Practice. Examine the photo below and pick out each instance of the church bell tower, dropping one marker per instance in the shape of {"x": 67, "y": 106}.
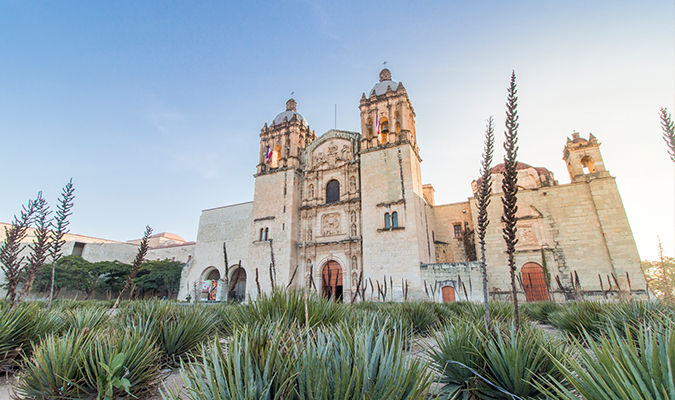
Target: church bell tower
{"x": 275, "y": 217}
{"x": 396, "y": 235}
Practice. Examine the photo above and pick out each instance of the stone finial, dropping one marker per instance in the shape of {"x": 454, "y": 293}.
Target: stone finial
{"x": 385, "y": 75}
{"x": 575, "y": 135}
{"x": 291, "y": 105}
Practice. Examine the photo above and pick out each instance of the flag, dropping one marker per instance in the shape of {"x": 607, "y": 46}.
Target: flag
{"x": 377, "y": 122}
{"x": 268, "y": 155}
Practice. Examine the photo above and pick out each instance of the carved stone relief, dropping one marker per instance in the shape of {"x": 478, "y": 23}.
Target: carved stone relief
{"x": 352, "y": 184}
{"x": 330, "y": 224}
{"x": 527, "y": 236}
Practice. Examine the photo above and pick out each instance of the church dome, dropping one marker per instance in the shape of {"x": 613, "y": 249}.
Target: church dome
{"x": 291, "y": 111}
{"x": 385, "y": 82}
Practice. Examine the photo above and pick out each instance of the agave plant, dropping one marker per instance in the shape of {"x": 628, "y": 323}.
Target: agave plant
{"x": 255, "y": 364}
{"x": 517, "y": 360}
{"x": 289, "y": 307}
{"x": 539, "y": 310}
{"x": 21, "y": 327}
{"x": 184, "y": 330}
{"x": 633, "y": 314}
{"x": 576, "y": 318}
{"x": 176, "y": 329}
{"x": 618, "y": 367}
{"x": 135, "y": 356}
{"x": 85, "y": 318}
{"x": 363, "y": 364}
{"x": 53, "y": 371}
{"x": 456, "y": 357}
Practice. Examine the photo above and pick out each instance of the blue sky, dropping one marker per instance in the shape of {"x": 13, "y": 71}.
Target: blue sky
{"x": 154, "y": 108}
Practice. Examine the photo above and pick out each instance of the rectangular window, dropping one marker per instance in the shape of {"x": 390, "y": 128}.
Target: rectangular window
{"x": 457, "y": 230}
{"x": 78, "y": 249}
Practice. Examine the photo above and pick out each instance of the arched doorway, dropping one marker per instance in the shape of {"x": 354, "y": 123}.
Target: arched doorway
{"x": 237, "y": 285}
{"x": 534, "y": 282}
{"x": 331, "y": 281}
{"x": 210, "y": 284}
{"x": 448, "y": 294}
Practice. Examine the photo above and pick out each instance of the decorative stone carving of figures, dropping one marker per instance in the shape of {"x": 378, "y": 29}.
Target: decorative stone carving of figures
{"x": 309, "y": 234}
{"x": 346, "y": 153}
{"x": 355, "y": 273}
{"x": 310, "y": 191}
{"x": 308, "y": 273}
{"x": 353, "y": 229}
{"x": 352, "y": 184}
{"x": 353, "y": 217}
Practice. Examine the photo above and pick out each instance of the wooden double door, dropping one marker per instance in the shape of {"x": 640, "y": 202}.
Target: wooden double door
{"x": 331, "y": 281}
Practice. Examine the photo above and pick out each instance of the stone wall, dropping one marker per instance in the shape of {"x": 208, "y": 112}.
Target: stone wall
{"x": 464, "y": 277}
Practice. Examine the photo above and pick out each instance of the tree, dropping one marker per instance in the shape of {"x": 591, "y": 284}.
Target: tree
{"x": 63, "y": 211}
{"x": 39, "y": 249}
{"x": 510, "y": 188}
{"x": 10, "y": 250}
{"x": 483, "y": 201}
{"x": 668, "y": 132}
{"x": 113, "y": 276}
{"x": 140, "y": 256}
{"x": 661, "y": 276}
{"x": 160, "y": 276}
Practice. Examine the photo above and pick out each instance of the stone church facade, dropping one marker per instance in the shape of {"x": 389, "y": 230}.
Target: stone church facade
{"x": 348, "y": 209}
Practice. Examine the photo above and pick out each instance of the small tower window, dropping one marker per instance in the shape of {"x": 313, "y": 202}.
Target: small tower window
{"x": 262, "y": 234}
{"x": 267, "y": 232}
{"x": 394, "y": 219}
{"x": 78, "y": 249}
{"x": 332, "y": 192}
{"x": 588, "y": 165}
{"x": 457, "y": 230}
{"x": 387, "y": 221}
{"x": 398, "y": 127}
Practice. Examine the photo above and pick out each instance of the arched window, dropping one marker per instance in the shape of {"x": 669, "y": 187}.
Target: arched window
{"x": 398, "y": 127}
{"x": 394, "y": 219}
{"x": 262, "y": 234}
{"x": 588, "y": 165}
{"x": 276, "y": 154}
{"x": 267, "y": 232}
{"x": 332, "y": 192}
{"x": 384, "y": 125}
{"x": 387, "y": 221}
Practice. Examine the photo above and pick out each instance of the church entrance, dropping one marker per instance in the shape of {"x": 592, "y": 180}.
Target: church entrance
{"x": 331, "y": 281}
{"x": 534, "y": 282}
{"x": 237, "y": 285}
{"x": 210, "y": 285}
{"x": 448, "y": 294}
